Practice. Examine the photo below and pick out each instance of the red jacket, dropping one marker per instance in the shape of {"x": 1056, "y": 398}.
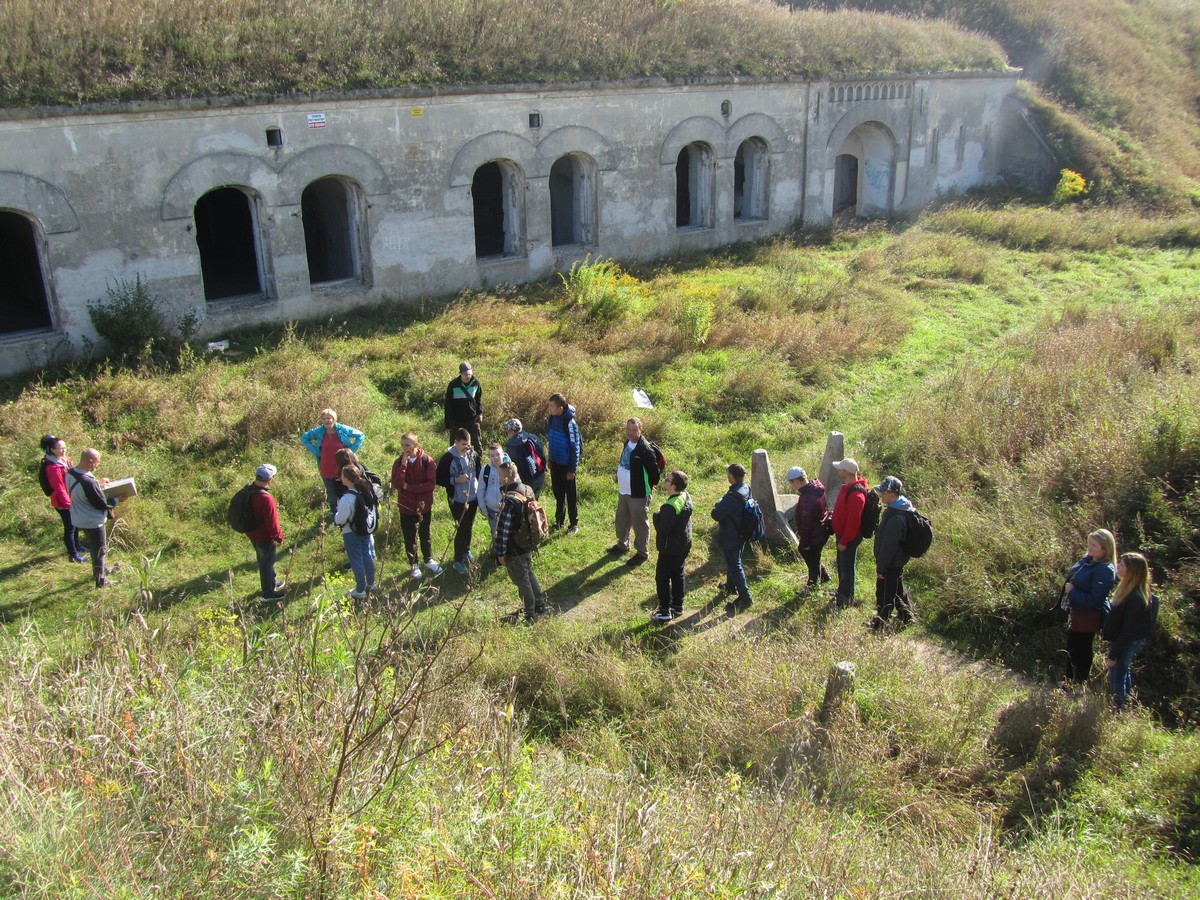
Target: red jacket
{"x": 267, "y": 514}
{"x": 848, "y": 510}
{"x": 419, "y": 480}
{"x": 56, "y": 474}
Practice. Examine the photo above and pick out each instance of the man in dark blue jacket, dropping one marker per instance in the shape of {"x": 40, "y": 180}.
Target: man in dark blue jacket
{"x": 526, "y": 451}
{"x": 728, "y": 515}
{"x": 565, "y": 446}
{"x": 637, "y": 474}
{"x": 464, "y": 406}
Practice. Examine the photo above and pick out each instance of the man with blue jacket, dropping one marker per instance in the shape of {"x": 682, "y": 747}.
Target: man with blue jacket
{"x": 565, "y": 446}
{"x": 890, "y": 593}
{"x": 728, "y": 515}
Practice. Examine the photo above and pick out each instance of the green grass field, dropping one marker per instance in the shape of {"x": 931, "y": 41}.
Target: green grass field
{"x": 167, "y": 736}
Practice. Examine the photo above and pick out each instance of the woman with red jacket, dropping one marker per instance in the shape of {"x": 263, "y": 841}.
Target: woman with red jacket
{"x": 53, "y": 476}
{"x": 847, "y": 525}
{"x": 414, "y": 476}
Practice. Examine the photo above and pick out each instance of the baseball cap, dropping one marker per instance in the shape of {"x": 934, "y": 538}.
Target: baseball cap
{"x": 512, "y": 425}
{"x": 265, "y": 472}
{"x": 464, "y": 368}
{"x": 847, "y": 465}
{"x": 892, "y": 484}
{"x": 795, "y": 472}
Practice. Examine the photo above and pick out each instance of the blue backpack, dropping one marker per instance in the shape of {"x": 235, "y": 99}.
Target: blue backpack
{"x": 752, "y": 526}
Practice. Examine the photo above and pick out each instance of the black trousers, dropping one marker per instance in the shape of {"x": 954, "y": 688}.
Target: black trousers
{"x": 812, "y": 559}
{"x": 464, "y": 518}
{"x": 1079, "y": 655}
{"x": 410, "y": 524}
{"x": 566, "y": 497}
{"x": 669, "y": 580}
{"x": 891, "y": 595}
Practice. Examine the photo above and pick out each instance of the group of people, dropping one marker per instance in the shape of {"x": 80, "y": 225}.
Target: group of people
{"x": 507, "y": 486}
{"x": 1126, "y": 619}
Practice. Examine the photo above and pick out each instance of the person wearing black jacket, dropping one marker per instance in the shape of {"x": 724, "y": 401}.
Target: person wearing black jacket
{"x": 637, "y": 474}
{"x": 1129, "y": 624}
{"x": 673, "y": 541}
{"x": 464, "y": 406}
{"x": 728, "y": 516}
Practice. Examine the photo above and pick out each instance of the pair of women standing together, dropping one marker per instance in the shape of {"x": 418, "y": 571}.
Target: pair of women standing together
{"x": 1126, "y": 621}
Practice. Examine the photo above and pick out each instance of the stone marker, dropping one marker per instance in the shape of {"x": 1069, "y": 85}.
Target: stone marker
{"x": 774, "y": 504}
{"x": 838, "y": 687}
{"x": 835, "y": 450}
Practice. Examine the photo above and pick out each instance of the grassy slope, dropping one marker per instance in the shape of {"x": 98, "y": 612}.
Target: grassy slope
{"x": 703, "y": 719}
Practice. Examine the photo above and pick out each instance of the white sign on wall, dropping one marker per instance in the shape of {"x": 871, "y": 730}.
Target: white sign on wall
{"x": 316, "y": 120}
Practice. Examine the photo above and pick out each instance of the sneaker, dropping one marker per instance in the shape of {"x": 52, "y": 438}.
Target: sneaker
{"x": 432, "y": 567}
{"x": 279, "y": 586}
{"x": 470, "y": 557}
{"x": 274, "y": 597}
{"x": 356, "y": 595}
{"x": 375, "y": 587}
{"x": 662, "y": 615}
{"x": 618, "y": 549}
{"x": 636, "y": 560}
{"x": 459, "y": 566}
{"x": 416, "y": 572}
{"x": 78, "y": 559}
{"x": 574, "y": 529}
{"x": 676, "y": 612}
{"x": 557, "y": 526}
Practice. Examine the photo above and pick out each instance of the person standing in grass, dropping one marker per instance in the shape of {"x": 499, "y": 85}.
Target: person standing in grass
{"x": 847, "y": 526}
{"x": 673, "y": 541}
{"x": 1130, "y": 623}
{"x": 266, "y": 535}
{"x": 461, "y": 465}
{"x": 890, "y": 559}
{"x": 360, "y": 548}
{"x": 728, "y": 516}
{"x": 1088, "y": 586}
{"x": 808, "y": 518}
{"x": 491, "y": 495}
{"x": 517, "y": 562}
{"x": 565, "y": 448}
{"x": 464, "y": 406}
{"x": 414, "y": 477}
{"x": 637, "y": 475}
{"x": 90, "y": 509}
{"x": 53, "y": 477}
{"x": 323, "y": 442}
{"x": 527, "y": 453}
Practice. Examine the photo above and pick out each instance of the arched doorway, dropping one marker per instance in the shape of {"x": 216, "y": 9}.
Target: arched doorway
{"x": 864, "y": 171}
{"x": 25, "y": 306}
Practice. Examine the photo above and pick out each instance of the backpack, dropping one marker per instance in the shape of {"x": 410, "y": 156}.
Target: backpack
{"x": 870, "y": 513}
{"x": 659, "y": 459}
{"x": 533, "y": 527}
{"x": 44, "y": 479}
{"x": 240, "y": 516}
{"x": 442, "y": 474}
{"x": 917, "y": 536}
{"x": 377, "y": 485}
{"x": 751, "y": 525}
{"x": 538, "y": 463}
{"x": 366, "y": 513}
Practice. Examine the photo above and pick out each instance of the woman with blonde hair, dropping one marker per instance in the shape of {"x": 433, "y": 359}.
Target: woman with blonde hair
{"x": 323, "y": 442}
{"x": 1130, "y": 623}
{"x": 1088, "y": 586}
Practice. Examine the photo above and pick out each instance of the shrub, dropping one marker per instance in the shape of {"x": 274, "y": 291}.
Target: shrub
{"x": 135, "y": 326}
{"x": 600, "y": 294}
{"x": 1071, "y": 186}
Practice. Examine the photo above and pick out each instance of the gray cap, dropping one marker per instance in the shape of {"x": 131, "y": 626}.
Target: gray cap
{"x": 265, "y": 472}
{"x": 464, "y": 368}
{"x": 847, "y": 465}
{"x": 512, "y": 425}
{"x": 892, "y": 485}
{"x": 796, "y": 473}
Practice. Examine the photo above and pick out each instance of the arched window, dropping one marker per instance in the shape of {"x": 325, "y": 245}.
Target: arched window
{"x": 694, "y": 186}
{"x": 572, "y": 201}
{"x": 750, "y": 180}
{"x": 230, "y": 249}
{"x": 496, "y": 192}
{"x": 25, "y": 305}
{"x": 332, "y": 231}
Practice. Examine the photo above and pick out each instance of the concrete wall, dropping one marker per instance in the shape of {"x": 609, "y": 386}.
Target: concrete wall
{"x": 113, "y": 194}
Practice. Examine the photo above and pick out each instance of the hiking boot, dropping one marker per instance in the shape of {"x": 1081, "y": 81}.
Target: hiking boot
{"x": 618, "y": 549}
{"x": 274, "y": 597}
{"x": 636, "y": 560}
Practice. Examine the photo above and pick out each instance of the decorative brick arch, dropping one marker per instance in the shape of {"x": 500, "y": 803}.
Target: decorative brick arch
{"x": 40, "y": 199}
{"x": 488, "y": 147}
{"x": 340, "y": 160}
{"x": 205, "y": 174}
{"x": 696, "y": 130}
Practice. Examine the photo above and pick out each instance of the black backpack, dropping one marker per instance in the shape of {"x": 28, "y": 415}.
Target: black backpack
{"x": 241, "y": 515}
{"x": 918, "y": 536}
{"x": 44, "y": 479}
{"x": 366, "y": 513}
{"x": 751, "y": 525}
{"x": 870, "y": 514}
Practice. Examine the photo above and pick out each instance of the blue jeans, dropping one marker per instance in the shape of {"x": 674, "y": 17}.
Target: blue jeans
{"x": 333, "y": 493}
{"x": 264, "y": 551}
{"x": 361, "y": 552}
{"x": 1120, "y": 676}
{"x": 846, "y": 560}
{"x": 736, "y": 571}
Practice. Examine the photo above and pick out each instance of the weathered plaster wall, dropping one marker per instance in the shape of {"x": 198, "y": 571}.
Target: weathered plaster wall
{"x": 113, "y": 194}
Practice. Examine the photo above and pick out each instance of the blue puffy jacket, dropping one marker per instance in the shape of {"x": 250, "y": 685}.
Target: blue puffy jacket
{"x": 564, "y": 442}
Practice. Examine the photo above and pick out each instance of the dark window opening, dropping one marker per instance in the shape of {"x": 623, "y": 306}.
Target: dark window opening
{"x": 739, "y": 183}
{"x": 487, "y": 197}
{"x": 326, "y": 207}
{"x": 845, "y": 182}
{"x": 274, "y": 137}
{"x": 24, "y": 305}
{"x": 228, "y": 248}
{"x": 683, "y": 193}
{"x": 535, "y": 120}
{"x": 565, "y": 225}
